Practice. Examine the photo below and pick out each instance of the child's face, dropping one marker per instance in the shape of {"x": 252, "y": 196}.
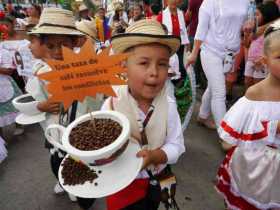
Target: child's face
{"x": 54, "y": 45}
{"x": 38, "y": 49}
{"x": 259, "y": 17}
{"x": 172, "y": 4}
{"x": 130, "y": 13}
{"x": 33, "y": 12}
{"x": 101, "y": 13}
{"x": 137, "y": 11}
{"x": 147, "y": 71}
{"x": 272, "y": 59}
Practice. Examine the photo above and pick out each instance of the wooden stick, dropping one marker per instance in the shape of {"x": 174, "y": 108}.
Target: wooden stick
{"x": 92, "y": 120}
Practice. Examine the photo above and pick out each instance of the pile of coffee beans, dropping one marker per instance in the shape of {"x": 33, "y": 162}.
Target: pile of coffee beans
{"x": 26, "y": 99}
{"x": 74, "y": 172}
{"x": 95, "y": 134}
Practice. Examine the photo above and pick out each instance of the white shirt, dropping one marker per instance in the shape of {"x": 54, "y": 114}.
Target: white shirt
{"x": 174, "y": 143}
{"x": 174, "y": 67}
{"x": 220, "y": 23}
{"x": 124, "y": 17}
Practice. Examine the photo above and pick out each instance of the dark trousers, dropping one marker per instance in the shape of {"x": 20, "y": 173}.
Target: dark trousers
{"x": 180, "y": 54}
{"x": 144, "y": 204}
{"x": 19, "y": 80}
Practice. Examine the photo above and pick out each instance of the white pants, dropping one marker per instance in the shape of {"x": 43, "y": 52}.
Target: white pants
{"x": 214, "y": 97}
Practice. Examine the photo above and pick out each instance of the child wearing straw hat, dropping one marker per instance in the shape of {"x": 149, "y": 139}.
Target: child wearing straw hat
{"x": 57, "y": 28}
{"x": 89, "y": 29}
{"x": 152, "y": 113}
{"x": 84, "y": 12}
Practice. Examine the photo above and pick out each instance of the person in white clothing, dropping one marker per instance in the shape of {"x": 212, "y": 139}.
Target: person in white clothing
{"x": 173, "y": 19}
{"x": 145, "y": 102}
{"x": 218, "y": 35}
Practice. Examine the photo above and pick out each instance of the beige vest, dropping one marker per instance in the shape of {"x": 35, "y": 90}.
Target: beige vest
{"x": 156, "y": 129}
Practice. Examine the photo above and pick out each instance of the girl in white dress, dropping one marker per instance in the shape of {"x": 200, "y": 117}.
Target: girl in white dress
{"x": 248, "y": 178}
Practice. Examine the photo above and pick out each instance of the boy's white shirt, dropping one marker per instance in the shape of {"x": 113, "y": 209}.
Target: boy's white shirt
{"x": 174, "y": 142}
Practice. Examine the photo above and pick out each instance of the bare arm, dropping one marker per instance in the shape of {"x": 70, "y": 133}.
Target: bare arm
{"x": 278, "y": 128}
{"x": 6, "y": 71}
{"x": 193, "y": 56}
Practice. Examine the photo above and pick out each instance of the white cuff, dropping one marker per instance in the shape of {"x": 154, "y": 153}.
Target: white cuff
{"x": 172, "y": 152}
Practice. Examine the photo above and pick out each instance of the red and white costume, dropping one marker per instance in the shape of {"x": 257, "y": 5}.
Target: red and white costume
{"x": 249, "y": 177}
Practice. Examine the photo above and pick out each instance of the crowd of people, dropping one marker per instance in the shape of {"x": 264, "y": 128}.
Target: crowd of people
{"x": 227, "y": 42}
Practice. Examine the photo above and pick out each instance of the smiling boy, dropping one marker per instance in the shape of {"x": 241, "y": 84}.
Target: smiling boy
{"x": 153, "y": 115}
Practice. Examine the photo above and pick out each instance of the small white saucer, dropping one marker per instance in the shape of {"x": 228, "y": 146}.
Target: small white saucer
{"x": 114, "y": 176}
{"x": 24, "y": 119}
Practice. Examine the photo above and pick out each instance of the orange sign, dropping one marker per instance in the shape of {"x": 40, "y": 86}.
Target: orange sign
{"x": 83, "y": 74}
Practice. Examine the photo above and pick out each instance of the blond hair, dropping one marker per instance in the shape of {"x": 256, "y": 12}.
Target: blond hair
{"x": 270, "y": 40}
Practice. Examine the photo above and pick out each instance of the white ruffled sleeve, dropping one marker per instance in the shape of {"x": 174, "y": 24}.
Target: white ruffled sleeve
{"x": 244, "y": 124}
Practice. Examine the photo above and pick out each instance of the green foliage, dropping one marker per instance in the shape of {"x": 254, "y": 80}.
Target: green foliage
{"x": 66, "y": 4}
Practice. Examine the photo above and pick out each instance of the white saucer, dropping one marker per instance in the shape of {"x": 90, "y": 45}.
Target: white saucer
{"x": 24, "y": 119}
{"x": 114, "y": 177}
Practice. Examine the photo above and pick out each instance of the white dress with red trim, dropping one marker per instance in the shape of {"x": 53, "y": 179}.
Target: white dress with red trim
{"x": 249, "y": 177}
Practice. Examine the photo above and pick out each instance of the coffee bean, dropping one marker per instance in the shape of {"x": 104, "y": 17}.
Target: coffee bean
{"x": 74, "y": 172}
{"x": 92, "y": 136}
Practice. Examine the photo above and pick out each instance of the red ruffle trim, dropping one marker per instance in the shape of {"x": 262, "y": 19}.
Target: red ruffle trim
{"x": 223, "y": 187}
{"x": 245, "y": 136}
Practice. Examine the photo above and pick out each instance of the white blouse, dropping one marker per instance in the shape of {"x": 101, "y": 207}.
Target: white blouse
{"x": 220, "y": 23}
{"x": 250, "y": 123}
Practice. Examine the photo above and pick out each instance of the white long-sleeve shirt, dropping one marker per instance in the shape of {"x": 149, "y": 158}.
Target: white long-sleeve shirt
{"x": 220, "y": 23}
{"x": 174, "y": 143}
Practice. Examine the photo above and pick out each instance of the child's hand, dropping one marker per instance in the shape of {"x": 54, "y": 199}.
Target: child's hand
{"x": 147, "y": 157}
{"x": 49, "y": 107}
{"x": 258, "y": 64}
{"x": 152, "y": 157}
{"x": 247, "y": 39}
{"x": 191, "y": 59}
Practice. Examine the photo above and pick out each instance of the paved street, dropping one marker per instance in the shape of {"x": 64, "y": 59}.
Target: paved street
{"x": 26, "y": 181}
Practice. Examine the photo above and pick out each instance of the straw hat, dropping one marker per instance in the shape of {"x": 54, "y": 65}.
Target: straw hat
{"x": 118, "y": 6}
{"x": 87, "y": 27}
{"x": 144, "y": 32}
{"x": 56, "y": 21}
{"x": 100, "y": 7}
{"x": 82, "y": 7}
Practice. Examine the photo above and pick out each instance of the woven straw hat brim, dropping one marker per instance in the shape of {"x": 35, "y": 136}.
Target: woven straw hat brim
{"x": 87, "y": 29}
{"x": 55, "y": 30}
{"x": 122, "y": 42}
{"x": 82, "y": 7}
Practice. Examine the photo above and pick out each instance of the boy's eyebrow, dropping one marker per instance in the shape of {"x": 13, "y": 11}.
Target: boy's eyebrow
{"x": 146, "y": 57}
